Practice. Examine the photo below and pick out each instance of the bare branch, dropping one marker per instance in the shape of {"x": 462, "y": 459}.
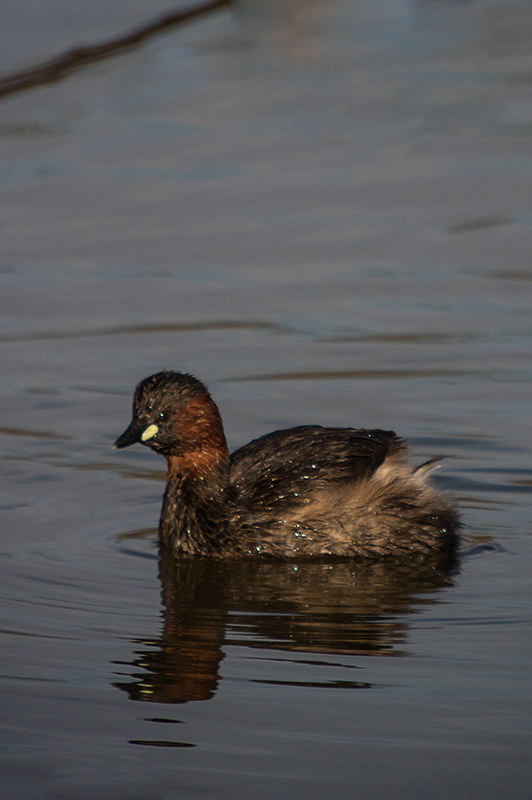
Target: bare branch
{"x": 57, "y": 68}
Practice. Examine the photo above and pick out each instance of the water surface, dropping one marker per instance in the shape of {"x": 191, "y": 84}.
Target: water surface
{"x": 322, "y": 209}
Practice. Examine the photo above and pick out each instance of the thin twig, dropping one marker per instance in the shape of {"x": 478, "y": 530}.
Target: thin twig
{"x": 60, "y": 66}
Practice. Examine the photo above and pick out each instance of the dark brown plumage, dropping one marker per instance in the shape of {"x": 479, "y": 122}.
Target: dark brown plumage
{"x": 306, "y": 491}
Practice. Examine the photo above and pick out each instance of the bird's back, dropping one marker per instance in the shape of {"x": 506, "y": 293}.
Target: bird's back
{"x": 280, "y": 467}
{"x": 313, "y": 490}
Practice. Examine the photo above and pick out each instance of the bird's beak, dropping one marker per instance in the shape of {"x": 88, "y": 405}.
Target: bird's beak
{"x": 130, "y": 436}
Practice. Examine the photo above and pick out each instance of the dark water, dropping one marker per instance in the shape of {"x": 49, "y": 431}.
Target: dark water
{"x": 323, "y": 210}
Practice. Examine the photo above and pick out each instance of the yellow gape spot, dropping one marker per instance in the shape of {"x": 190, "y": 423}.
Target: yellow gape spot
{"x": 149, "y": 433}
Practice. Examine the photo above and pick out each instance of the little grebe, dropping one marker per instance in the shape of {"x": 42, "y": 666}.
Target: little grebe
{"x": 306, "y": 491}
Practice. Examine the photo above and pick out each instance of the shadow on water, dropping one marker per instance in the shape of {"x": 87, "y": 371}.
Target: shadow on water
{"x": 318, "y": 606}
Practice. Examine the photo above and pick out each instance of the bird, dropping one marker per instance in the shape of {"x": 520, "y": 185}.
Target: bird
{"x": 307, "y": 491}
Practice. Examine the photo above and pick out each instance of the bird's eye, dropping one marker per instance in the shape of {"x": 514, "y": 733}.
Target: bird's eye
{"x": 163, "y": 415}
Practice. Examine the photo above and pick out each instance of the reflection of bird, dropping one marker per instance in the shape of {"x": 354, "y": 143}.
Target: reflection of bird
{"x": 303, "y": 491}
{"x": 303, "y": 607}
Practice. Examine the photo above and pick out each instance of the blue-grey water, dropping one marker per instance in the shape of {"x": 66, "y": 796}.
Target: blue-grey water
{"x": 322, "y": 209}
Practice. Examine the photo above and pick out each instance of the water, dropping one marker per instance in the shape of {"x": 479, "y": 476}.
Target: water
{"x": 322, "y": 210}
